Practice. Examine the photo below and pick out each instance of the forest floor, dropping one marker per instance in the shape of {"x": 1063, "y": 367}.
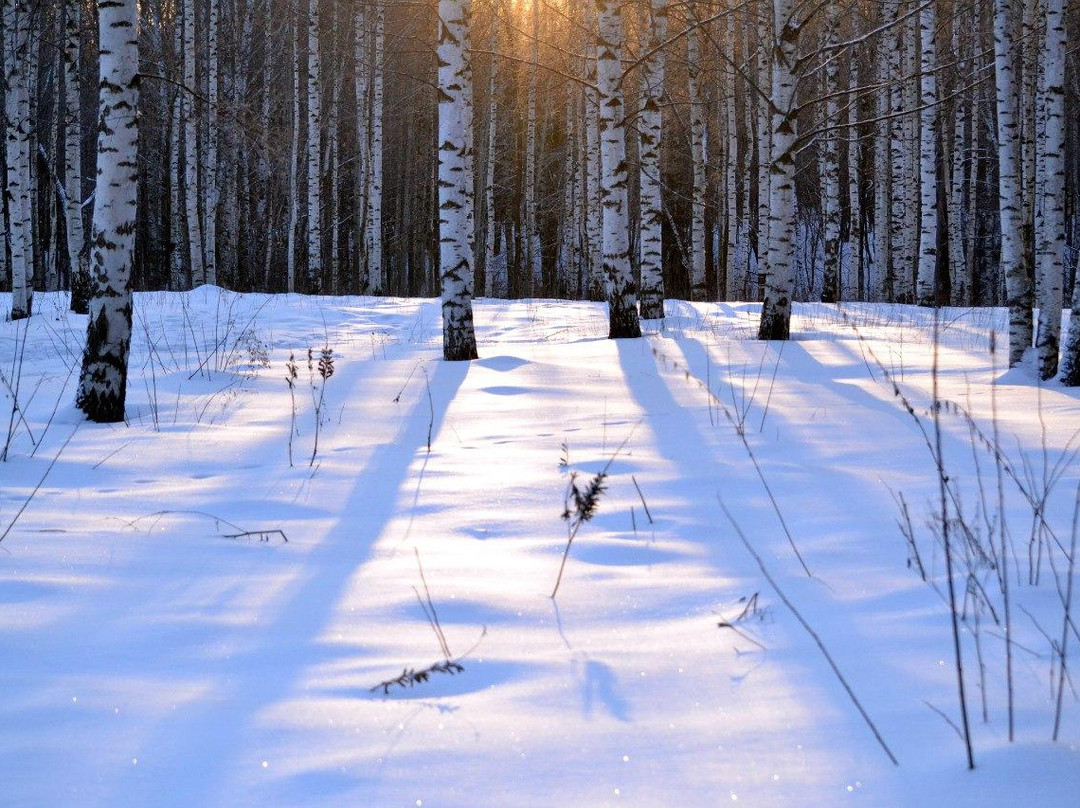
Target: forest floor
{"x": 151, "y": 657}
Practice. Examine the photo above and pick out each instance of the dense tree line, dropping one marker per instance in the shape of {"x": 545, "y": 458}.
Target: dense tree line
{"x": 923, "y": 151}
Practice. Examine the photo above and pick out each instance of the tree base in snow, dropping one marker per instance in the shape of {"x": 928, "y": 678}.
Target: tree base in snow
{"x": 624, "y": 323}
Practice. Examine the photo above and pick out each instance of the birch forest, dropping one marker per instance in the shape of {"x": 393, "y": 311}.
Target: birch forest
{"x": 773, "y": 150}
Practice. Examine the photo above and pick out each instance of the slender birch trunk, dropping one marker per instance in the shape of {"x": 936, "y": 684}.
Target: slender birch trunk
{"x": 731, "y": 155}
{"x": 852, "y": 283}
{"x": 313, "y": 154}
{"x": 376, "y": 270}
{"x": 697, "y": 152}
{"x": 178, "y": 280}
{"x": 593, "y": 211}
{"x": 776, "y": 307}
{"x": 1050, "y": 185}
{"x": 210, "y": 169}
{"x": 489, "y": 158}
{"x": 73, "y": 165}
{"x": 191, "y": 150}
{"x": 533, "y": 264}
{"x": 764, "y": 145}
{"x": 650, "y": 131}
{"x": 294, "y": 159}
{"x": 103, "y": 381}
{"x": 880, "y": 283}
{"x": 622, "y": 293}
{"x": 1010, "y": 201}
{"x": 830, "y": 162}
{"x": 17, "y": 24}
{"x": 455, "y": 182}
{"x": 928, "y": 196}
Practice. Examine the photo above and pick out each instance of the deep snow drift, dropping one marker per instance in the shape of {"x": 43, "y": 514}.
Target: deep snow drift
{"x": 148, "y": 659}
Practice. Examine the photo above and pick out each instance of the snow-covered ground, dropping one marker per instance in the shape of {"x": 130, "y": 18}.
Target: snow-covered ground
{"x": 148, "y": 660}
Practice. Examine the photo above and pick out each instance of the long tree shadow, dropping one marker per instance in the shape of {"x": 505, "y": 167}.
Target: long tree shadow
{"x": 271, "y": 662}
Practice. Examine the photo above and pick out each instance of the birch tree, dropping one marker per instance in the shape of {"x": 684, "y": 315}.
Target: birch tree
{"x": 1050, "y": 185}
{"x": 103, "y": 380}
{"x": 191, "y": 150}
{"x": 1017, "y": 288}
{"x": 928, "y": 196}
{"x": 776, "y": 307}
{"x": 622, "y": 292}
{"x": 313, "y": 155}
{"x": 697, "y": 157}
{"x": 376, "y": 268}
{"x": 649, "y": 138}
{"x": 830, "y": 163}
{"x": 17, "y": 27}
{"x": 455, "y": 180}
{"x": 73, "y": 167}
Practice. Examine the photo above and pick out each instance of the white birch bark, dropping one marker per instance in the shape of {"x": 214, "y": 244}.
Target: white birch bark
{"x": 362, "y": 94}
{"x": 928, "y": 196}
{"x": 489, "y": 158}
{"x": 313, "y": 152}
{"x": 73, "y": 167}
{"x": 830, "y": 160}
{"x": 852, "y": 279}
{"x": 376, "y": 270}
{"x": 1010, "y": 202}
{"x": 593, "y": 210}
{"x": 776, "y": 307}
{"x": 764, "y": 145}
{"x": 17, "y": 21}
{"x": 103, "y": 380}
{"x": 533, "y": 264}
{"x": 898, "y": 268}
{"x": 210, "y": 168}
{"x": 622, "y": 293}
{"x": 697, "y": 156}
{"x": 879, "y": 285}
{"x": 731, "y": 153}
{"x": 455, "y": 182}
{"x": 294, "y": 159}
{"x": 191, "y": 151}
{"x": 333, "y": 149}
{"x": 650, "y": 129}
{"x": 1050, "y": 185}
{"x": 178, "y": 280}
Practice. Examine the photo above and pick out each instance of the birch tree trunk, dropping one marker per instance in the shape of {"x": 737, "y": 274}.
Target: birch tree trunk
{"x": 731, "y": 154}
{"x": 191, "y": 150}
{"x": 455, "y": 182}
{"x": 294, "y": 158}
{"x": 489, "y": 159}
{"x": 650, "y": 125}
{"x": 593, "y": 211}
{"x": 533, "y": 264}
{"x": 697, "y": 152}
{"x": 880, "y": 284}
{"x": 1050, "y": 185}
{"x": 622, "y": 293}
{"x": 830, "y": 169}
{"x": 1010, "y": 200}
{"x": 314, "y": 152}
{"x": 376, "y": 270}
{"x": 776, "y": 307}
{"x": 73, "y": 167}
{"x": 103, "y": 381}
{"x": 928, "y": 196}
{"x": 764, "y": 144}
{"x": 210, "y": 175}
{"x": 17, "y": 19}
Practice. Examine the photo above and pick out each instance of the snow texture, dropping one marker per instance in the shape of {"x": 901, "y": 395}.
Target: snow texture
{"x": 148, "y": 659}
